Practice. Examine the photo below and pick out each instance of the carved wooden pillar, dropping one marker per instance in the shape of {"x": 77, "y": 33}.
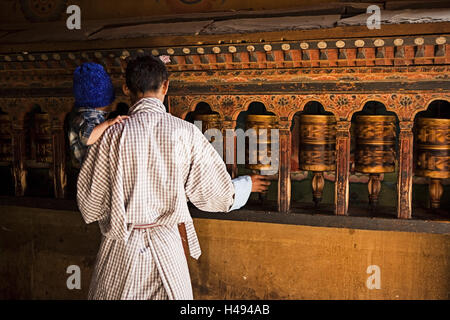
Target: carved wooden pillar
{"x": 18, "y": 143}
{"x": 58, "y": 108}
{"x": 284, "y": 171}
{"x": 341, "y": 195}
{"x": 229, "y": 146}
{"x": 59, "y": 159}
{"x": 405, "y": 172}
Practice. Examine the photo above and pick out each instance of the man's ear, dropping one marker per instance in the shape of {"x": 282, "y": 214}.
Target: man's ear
{"x": 126, "y": 90}
{"x": 165, "y": 87}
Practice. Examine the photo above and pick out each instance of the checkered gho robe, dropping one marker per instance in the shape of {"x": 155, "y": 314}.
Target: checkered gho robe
{"x": 144, "y": 171}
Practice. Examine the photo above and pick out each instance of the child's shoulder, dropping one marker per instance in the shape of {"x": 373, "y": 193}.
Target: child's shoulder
{"x": 78, "y": 113}
{"x": 90, "y": 115}
{"x": 81, "y": 119}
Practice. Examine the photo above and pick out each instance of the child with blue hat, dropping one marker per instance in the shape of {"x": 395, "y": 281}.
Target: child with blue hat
{"x": 94, "y": 94}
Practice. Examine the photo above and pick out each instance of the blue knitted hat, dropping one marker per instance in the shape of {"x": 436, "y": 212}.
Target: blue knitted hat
{"x": 92, "y": 86}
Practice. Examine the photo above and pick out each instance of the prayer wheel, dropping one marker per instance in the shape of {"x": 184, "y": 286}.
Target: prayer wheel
{"x": 43, "y": 138}
{"x": 375, "y": 149}
{"x": 262, "y": 153}
{"x": 433, "y": 154}
{"x": 5, "y": 138}
{"x": 317, "y": 150}
{"x": 209, "y": 121}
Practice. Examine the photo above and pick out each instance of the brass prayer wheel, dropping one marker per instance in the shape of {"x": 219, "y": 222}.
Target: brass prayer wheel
{"x": 317, "y": 150}
{"x": 209, "y": 121}
{"x": 5, "y": 138}
{"x": 433, "y": 154}
{"x": 375, "y": 144}
{"x": 43, "y": 138}
{"x": 317, "y": 143}
{"x": 263, "y": 150}
{"x": 375, "y": 149}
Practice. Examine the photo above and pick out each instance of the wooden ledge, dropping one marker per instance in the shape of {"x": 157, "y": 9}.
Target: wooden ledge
{"x": 325, "y": 217}
{"x": 330, "y": 220}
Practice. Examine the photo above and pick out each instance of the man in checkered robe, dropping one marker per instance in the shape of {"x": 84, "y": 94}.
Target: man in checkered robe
{"x": 136, "y": 182}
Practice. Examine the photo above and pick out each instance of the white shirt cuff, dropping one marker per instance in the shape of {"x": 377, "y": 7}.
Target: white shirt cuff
{"x": 242, "y": 190}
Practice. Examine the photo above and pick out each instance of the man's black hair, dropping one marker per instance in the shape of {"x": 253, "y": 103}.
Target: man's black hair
{"x": 145, "y": 73}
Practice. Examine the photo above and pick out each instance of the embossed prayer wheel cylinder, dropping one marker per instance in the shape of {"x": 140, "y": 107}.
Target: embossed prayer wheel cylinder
{"x": 43, "y": 138}
{"x": 5, "y": 138}
{"x": 209, "y": 121}
{"x": 375, "y": 144}
{"x": 433, "y": 154}
{"x": 263, "y": 152}
{"x": 375, "y": 149}
{"x": 317, "y": 150}
{"x": 433, "y": 148}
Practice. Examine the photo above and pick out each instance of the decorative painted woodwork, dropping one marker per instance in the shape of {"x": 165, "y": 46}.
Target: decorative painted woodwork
{"x": 341, "y": 187}
{"x": 404, "y": 73}
{"x": 374, "y": 51}
{"x": 405, "y": 105}
{"x": 42, "y": 10}
{"x": 405, "y": 171}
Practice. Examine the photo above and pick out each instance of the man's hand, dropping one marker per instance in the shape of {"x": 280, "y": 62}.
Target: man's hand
{"x": 260, "y": 183}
